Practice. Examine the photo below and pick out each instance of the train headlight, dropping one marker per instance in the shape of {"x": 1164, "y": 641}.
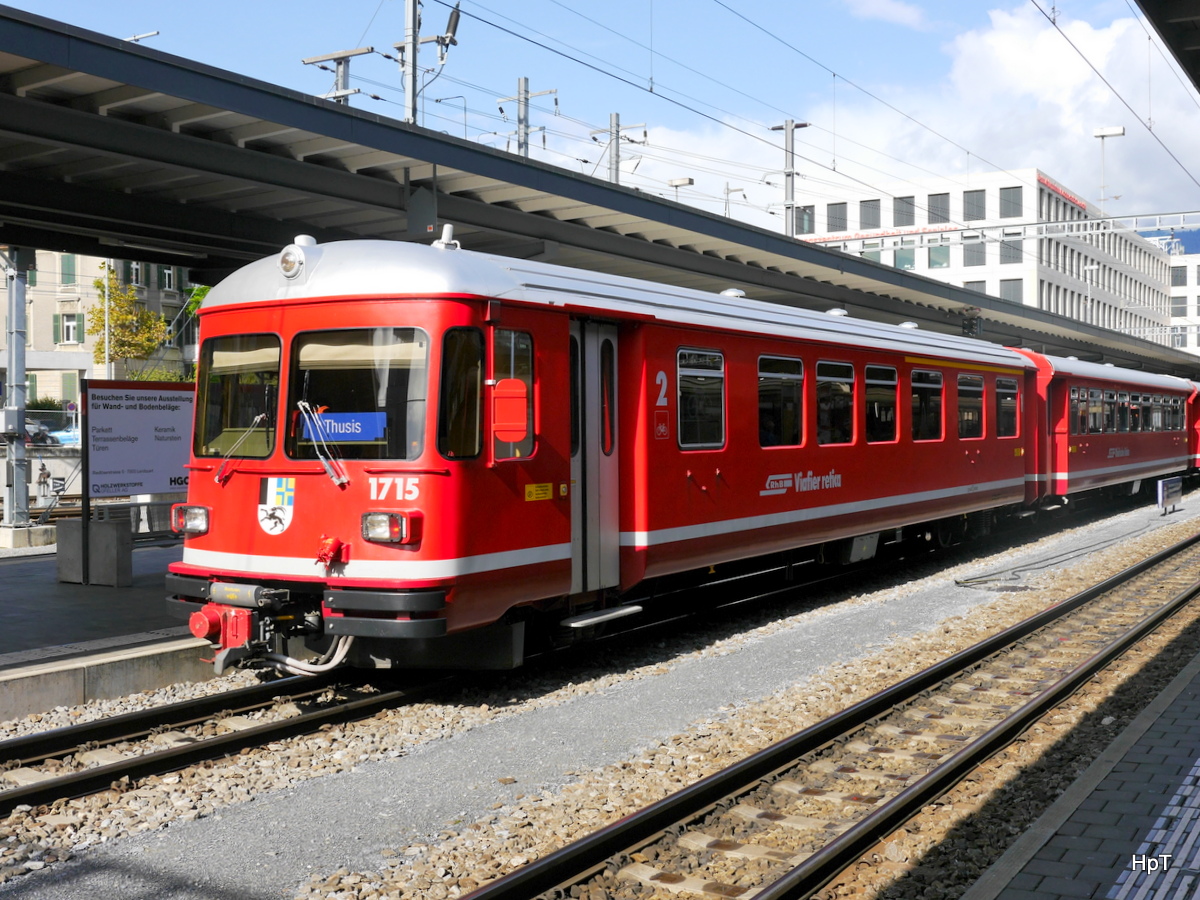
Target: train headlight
{"x": 385, "y": 528}
{"x": 189, "y": 519}
{"x": 291, "y": 261}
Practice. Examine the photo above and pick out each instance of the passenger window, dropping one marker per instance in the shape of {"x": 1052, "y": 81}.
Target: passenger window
{"x": 1006, "y": 407}
{"x": 701, "y": 399}
{"x": 780, "y": 387}
{"x": 1110, "y": 411}
{"x": 1095, "y": 414}
{"x": 1122, "y": 412}
{"x": 460, "y": 412}
{"x": 608, "y": 399}
{"x": 926, "y": 405}
{"x": 512, "y": 357}
{"x": 970, "y": 406}
{"x": 881, "y": 404}
{"x": 835, "y": 403}
{"x": 1156, "y": 413}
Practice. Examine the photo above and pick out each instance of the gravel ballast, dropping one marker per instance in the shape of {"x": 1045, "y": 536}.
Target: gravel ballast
{"x": 420, "y": 801}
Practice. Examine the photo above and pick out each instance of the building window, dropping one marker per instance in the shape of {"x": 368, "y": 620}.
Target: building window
{"x": 974, "y": 205}
{"x": 939, "y": 208}
{"x": 904, "y": 211}
{"x": 871, "y": 251}
{"x": 1178, "y": 276}
{"x": 166, "y": 278}
{"x": 1179, "y": 306}
{"x": 980, "y": 286}
{"x": 974, "y": 251}
{"x": 906, "y": 258}
{"x": 1012, "y": 289}
{"x": 1010, "y": 203}
{"x": 806, "y": 219}
{"x": 67, "y": 269}
{"x": 68, "y": 328}
{"x": 1011, "y": 251}
{"x": 868, "y": 214}
{"x": 835, "y": 217}
{"x": 1178, "y": 337}
{"x": 939, "y": 257}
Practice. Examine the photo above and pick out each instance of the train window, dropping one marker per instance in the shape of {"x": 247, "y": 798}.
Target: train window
{"x": 512, "y": 357}
{"x": 1176, "y": 414}
{"x": 238, "y": 386}
{"x": 1135, "y": 412}
{"x": 1122, "y": 412}
{"x": 608, "y": 399}
{"x": 359, "y": 392}
{"x": 970, "y": 406}
{"x": 1146, "y": 418}
{"x": 701, "y": 398}
{"x": 1095, "y": 411}
{"x": 1110, "y": 411}
{"x": 575, "y": 398}
{"x": 881, "y": 404}
{"x": 780, "y": 387}
{"x": 460, "y": 408}
{"x": 926, "y": 405}
{"x": 1156, "y": 413}
{"x": 835, "y": 403}
{"x": 1007, "y": 404}
{"x": 1078, "y": 411}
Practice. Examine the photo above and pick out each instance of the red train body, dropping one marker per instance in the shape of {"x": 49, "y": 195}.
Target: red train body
{"x": 405, "y": 454}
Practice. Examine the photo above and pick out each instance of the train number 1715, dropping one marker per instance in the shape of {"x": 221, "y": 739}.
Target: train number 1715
{"x": 395, "y": 488}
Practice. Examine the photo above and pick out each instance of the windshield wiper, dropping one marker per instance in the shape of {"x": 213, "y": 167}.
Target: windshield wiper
{"x": 228, "y": 453}
{"x": 332, "y": 467}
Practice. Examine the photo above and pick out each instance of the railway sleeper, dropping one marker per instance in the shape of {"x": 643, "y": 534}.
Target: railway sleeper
{"x": 830, "y": 767}
{"x": 748, "y": 813}
{"x": 679, "y": 884}
{"x": 894, "y": 752}
{"x": 800, "y": 790}
{"x": 698, "y": 840}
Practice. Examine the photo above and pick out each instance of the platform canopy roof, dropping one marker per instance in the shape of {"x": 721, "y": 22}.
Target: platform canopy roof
{"x": 1178, "y": 24}
{"x": 113, "y": 149}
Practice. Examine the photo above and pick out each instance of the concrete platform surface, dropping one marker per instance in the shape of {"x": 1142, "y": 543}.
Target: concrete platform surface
{"x": 41, "y": 618}
{"x": 1129, "y": 826}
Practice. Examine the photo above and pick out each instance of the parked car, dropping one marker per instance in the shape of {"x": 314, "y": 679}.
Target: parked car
{"x": 37, "y": 433}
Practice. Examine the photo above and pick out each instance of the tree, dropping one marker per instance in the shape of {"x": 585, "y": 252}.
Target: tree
{"x": 134, "y": 332}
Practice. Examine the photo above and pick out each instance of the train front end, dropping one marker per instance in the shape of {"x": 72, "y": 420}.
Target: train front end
{"x": 322, "y": 524}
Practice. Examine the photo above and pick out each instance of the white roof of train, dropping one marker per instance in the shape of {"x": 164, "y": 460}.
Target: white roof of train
{"x": 1065, "y": 365}
{"x": 383, "y": 268}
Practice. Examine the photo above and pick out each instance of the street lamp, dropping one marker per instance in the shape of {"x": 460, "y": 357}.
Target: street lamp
{"x": 1102, "y": 133}
{"x": 677, "y": 183}
{"x": 464, "y": 106}
{"x": 789, "y": 173}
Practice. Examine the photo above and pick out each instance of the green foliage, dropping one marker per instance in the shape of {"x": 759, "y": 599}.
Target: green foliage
{"x": 135, "y": 331}
{"x": 196, "y": 296}
{"x": 44, "y": 403}
{"x": 158, "y": 373}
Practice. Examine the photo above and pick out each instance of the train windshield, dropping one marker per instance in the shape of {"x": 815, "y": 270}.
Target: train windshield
{"x": 238, "y": 390}
{"x": 359, "y": 392}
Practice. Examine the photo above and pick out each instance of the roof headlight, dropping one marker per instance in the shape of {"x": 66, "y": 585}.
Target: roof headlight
{"x": 291, "y": 261}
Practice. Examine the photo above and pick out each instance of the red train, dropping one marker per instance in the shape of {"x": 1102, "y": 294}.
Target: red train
{"x": 406, "y": 455}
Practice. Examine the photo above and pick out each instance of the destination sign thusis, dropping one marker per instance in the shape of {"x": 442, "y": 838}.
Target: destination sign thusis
{"x": 138, "y": 434}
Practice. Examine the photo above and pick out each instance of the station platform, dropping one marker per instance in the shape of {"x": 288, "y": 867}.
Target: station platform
{"x": 1129, "y": 827}
{"x": 42, "y": 618}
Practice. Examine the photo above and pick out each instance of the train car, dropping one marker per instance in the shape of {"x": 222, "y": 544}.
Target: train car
{"x": 405, "y": 454}
{"x": 1107, "y": 429}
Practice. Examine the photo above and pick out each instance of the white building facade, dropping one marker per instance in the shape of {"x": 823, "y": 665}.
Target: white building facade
{"x": 1019, "y": 235}
{"x": 63, "y": 299}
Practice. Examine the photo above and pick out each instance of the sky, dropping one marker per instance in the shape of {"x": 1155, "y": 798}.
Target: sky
{"x": 892, "y": 91}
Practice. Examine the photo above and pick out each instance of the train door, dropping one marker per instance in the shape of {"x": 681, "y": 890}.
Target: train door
{"x": 595, "y": 526}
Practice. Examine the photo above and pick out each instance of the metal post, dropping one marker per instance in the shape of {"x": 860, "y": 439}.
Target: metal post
{"x": 16, "y": 501}
{"x": 523, "y": 117}
{"x": 412, "y": 27}
{"x": 789, "y": 173}
{"x": 614, "y": 148}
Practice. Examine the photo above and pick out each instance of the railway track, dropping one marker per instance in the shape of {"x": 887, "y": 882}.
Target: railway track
{"x": 70, "y": 762}
{"x": 789, "y": 819}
